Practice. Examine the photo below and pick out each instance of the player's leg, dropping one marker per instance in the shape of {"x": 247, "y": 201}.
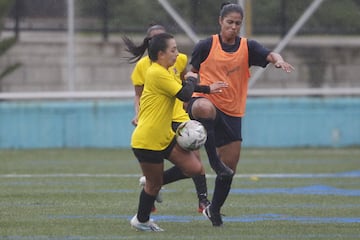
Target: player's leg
{"x": 204, "y": 111}
{"x": 153, "y": 174}
{"x": 201, "y": 187}
{"x": 174, "y": 174}
{"x": 186, "y": 161}
{"x": 228, "y": 137}
{"x": 152, "y": 166}
{"x": 229, "y": 155}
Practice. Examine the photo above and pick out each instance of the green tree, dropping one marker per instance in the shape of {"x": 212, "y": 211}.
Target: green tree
{"x": 8, "y": 42}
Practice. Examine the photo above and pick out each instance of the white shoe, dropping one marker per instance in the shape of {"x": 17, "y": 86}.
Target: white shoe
{"x": 142, "y": 181}
{"x": 148, "y": 226}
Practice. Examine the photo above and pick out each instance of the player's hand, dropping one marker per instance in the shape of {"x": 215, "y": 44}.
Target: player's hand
{"x": 134, "y": 121}
{"x": 191, "y": 74}
{"x": 285, "y": 66}
{"x": 217, "y": 87}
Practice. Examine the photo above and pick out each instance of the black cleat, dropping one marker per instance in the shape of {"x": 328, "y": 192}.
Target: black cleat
{"x": 203, "y": 204}
{"x": 214, "y": 217}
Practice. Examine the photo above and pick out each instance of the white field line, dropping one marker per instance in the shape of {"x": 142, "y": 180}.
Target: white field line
{"x": 261, "y": 175}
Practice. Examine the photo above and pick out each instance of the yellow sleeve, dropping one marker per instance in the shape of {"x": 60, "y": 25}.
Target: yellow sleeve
{"x": 166, "y": 83}
{"x": 179, "y": 114}
{"x": 181, "y": 62}
{"x": 157, "y": 102}
{"x": 180, "y": 65}
{"x": 138, "y": 74}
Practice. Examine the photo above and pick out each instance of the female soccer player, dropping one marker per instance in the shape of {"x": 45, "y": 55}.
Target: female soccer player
{"x": 226, "y": 57}
{"x": 179, "y": 114}
{"x": 153, "y": 139}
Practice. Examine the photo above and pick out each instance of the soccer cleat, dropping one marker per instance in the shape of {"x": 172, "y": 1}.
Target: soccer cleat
{"x": 214, "y": 217}
{"x": 142, "y": 182}
{"x": 203, "y": 204}
{"x": 148, "y": 226}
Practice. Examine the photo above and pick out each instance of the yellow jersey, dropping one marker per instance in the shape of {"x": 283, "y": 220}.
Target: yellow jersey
{"x": 138, "y": 79}
{"x": 157, "y": 101}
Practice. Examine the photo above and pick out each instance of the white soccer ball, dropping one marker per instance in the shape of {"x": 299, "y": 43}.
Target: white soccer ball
{"x": 191, "y": 135}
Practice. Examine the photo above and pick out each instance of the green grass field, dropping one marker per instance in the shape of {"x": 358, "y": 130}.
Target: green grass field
{"x": 92, "y": 193}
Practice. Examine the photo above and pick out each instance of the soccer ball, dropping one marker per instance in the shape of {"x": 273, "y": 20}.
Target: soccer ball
{"x": 191, "y": 135}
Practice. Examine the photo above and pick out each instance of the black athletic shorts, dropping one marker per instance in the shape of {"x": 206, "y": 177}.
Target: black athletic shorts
{"x": 175, "y": 125}
{"x": 227, "y": 128}
{"x": 152, "y": 156}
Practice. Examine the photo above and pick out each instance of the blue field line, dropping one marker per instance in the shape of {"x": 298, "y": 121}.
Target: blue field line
{"x": 301, "y": 219}
{"x": 262, "y": 217}
{"x": 242, "y": 219}
{"x": 305, "y": 190}
{"x": 303, "y": 206}
{"x": 322, "y": 190}
{"x": 348, "y": 174}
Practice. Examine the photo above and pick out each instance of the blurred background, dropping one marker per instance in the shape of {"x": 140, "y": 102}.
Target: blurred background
{"x": 72, "y": 49}
{"x": 324, "y": 49}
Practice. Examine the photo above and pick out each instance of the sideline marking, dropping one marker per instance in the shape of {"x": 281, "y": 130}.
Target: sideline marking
{"x": 353, "y": 174}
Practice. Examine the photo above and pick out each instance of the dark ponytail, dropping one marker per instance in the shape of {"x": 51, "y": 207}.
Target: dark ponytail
{"x": 153, "y": 45}
{"x": 136, "y": 51}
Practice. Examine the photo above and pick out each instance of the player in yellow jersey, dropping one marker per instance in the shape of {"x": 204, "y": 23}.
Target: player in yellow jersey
{"x": 179, "y": 114}
{"x": 153, "y": 139}
{"x": 138, "y": 77}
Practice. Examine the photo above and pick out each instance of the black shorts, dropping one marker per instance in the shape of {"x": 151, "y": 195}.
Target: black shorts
{"x": 152, "y": 156}
{"x": 175, "y": 125}
{"x": 227, "y": 128}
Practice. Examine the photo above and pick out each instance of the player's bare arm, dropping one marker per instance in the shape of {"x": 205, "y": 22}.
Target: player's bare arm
{"x": 279, "y": 62}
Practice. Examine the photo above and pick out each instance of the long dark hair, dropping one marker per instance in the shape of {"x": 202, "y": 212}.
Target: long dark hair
{"x": 138, "y": 51}
{"x": 153, "y": 45}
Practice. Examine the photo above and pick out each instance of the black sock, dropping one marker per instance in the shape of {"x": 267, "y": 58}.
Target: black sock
{"x": 210, "y": 145}
{"x": 172, "y": 175}
{"x": 146, "y": 202}
{"x": 221, "y": 191}
{"x": 201, "y": 187}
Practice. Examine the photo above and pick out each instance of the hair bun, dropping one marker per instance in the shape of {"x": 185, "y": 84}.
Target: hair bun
{"x": 224, "y": 4}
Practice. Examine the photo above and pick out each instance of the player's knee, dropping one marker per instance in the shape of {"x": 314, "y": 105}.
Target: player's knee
{"x": 203, "y": 108}
{"x": 195, "y": 169}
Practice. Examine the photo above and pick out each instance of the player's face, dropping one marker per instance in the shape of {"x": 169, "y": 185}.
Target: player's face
{"x": 230, "y": 26}
{"x": 170, "y": 53}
